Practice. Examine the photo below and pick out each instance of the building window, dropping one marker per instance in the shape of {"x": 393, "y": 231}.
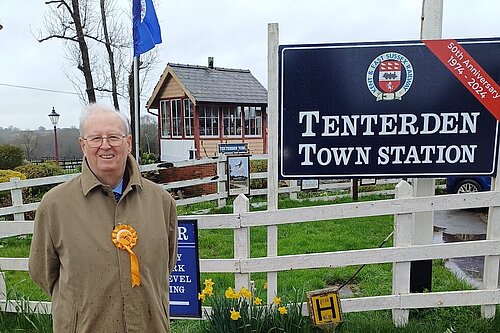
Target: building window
{"x": 165, "y": 118}
{"x": 231, "y": 117}
{"x": 188, "y": 118}
{"x": 253, "y": 120}
{"x": 176, "y": 117}
{"x": 209, "y": 121}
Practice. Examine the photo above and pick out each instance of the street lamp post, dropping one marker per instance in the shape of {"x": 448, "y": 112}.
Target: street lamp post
{"x": 54, "y": 118}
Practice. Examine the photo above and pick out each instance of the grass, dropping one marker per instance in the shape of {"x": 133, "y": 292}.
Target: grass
{"x": 312, "y": 237}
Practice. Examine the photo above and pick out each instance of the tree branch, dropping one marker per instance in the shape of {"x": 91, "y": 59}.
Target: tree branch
{"x": 60, "y": 37}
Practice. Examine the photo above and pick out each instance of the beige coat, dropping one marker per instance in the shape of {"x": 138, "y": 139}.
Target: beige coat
{"x": 75, "y": 261}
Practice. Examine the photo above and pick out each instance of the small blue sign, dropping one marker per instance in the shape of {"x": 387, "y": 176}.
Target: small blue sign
{"x": 184, "y": 281}
{"x": 233, "y": 148}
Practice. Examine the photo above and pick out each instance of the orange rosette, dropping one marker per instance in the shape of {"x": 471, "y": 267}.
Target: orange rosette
{"x": 125, "y": 237}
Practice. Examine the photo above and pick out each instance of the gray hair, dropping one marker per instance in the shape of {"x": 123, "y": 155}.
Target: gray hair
{"x": 96, "y": 107}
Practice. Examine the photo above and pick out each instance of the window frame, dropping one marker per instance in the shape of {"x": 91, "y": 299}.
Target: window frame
{"x": 212, "y": 120}
{"x": 165, "y": 121}
{"x": 257, "y": 129}
{"x": 188, "y": 118}
{"x": 177, "y": 129}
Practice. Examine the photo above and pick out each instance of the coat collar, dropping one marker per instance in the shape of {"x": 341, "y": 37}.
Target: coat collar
{"x": 89, "y": 181}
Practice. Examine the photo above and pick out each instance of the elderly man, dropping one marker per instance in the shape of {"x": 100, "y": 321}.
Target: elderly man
{"x": 105, "y": 242}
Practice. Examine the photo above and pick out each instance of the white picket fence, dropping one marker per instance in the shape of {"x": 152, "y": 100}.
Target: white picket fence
{"x": 401, "y": 254}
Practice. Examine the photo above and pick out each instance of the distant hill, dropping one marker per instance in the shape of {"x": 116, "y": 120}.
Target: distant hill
{"x": 39, "y": 143}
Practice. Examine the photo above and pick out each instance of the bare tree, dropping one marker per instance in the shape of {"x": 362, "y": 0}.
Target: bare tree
{"x": 107, "y": 43}
{"x": 28, "y": 141}
{"x": 149, "y": 134}
{"x": 90, "y": 28}
{"x": 73, "y": 21}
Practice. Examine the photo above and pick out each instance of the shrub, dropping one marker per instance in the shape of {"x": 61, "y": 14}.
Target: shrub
{"x": 258, "y": 166}
{"x": 10, "y": 156}
{"x": 148, "y": 158}
{"x": 45, "y": 169}
{"x": 6, "y": 175}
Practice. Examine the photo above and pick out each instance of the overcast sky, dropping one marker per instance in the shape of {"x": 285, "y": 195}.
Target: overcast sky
{"x": 234, "y": 32}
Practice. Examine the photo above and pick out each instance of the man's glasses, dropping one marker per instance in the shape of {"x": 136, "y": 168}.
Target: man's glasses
{"x": 96, "y": 141}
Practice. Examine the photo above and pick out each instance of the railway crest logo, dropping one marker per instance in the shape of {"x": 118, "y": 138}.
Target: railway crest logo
{"x": 389, "y": 76}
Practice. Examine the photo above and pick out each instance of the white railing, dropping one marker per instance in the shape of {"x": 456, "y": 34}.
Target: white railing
{"x": 343, "y": 187}
{"x": 402, "y": 207}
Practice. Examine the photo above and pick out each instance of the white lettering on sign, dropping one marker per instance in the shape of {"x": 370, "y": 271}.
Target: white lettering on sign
{"x": 389, "y": 124}
{"x": 308, "y": 121}
{"x": 446, "y": 123}
{"x": 179, "y": 268}
{"x": 176, "y": 289}
{"x": 387, "y": 155}
{"x": 183, "y": 236}
{"x": 179, "y": 279}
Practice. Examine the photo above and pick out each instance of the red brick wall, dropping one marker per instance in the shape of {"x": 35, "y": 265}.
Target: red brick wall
{"x": 191, "y": 172}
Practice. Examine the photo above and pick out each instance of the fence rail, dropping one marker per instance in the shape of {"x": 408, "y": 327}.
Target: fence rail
{"x": 401, "y": 254}
{"x": 64, "y": 163}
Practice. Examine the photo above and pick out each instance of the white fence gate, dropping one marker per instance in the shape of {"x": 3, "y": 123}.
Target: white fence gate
{"x": 401, "y": 254}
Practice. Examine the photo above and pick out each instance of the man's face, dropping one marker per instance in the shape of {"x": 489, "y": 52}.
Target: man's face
{"x": 105, "y": 161}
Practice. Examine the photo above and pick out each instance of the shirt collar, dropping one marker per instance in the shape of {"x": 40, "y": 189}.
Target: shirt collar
{"x": 119, "y": 188}
{"x": 89, "y": 180}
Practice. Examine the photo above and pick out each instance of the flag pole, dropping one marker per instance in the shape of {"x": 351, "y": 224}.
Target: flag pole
{"x": 136, "y": 109}
{"x": 146, "y": 33}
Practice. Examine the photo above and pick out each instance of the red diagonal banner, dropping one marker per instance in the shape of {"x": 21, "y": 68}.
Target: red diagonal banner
{"x": 467, "y": 71}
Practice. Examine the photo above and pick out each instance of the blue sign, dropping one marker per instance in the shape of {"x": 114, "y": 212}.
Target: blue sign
{"x": 184, "y": 281}
{"x": 233, "y": 148}
{"x": 388, "y": 109}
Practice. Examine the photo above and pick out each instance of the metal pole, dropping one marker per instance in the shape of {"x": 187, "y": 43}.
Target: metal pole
{"x": 136, "y": 109}
{"x": 56, "y": 145}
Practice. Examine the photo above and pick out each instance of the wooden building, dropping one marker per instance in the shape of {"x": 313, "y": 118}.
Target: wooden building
{"x": 200, "y": 107}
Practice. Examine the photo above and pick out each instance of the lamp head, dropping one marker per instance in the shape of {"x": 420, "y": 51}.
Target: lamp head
{"x": 54, "y": 117}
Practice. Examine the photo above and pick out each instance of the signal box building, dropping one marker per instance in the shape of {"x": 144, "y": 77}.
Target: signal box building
{"x": 200, "y": 107}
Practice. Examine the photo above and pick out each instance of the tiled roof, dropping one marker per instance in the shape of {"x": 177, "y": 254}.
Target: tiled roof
{"x": 220, "y": 85}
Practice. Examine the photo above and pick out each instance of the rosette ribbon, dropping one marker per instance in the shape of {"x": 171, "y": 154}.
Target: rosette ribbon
{"x": 125, "y": 237}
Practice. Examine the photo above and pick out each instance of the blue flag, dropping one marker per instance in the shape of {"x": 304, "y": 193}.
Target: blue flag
{"x": 146, "y": 29}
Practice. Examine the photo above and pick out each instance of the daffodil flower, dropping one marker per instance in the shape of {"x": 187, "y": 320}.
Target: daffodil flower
{"x": 209, "y": 291}
{"x": 208, "y": 283}
{"x": 257, "y": 301}
{"x": 246, "y": 293}
{"x": 235, "y": 315}
{"x": 229, "y": 292}
{"x": 282, "y": 310}
{"x": 277, "y": 300}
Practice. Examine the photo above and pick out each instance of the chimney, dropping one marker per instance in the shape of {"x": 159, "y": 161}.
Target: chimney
{"x": 211, "y": 62}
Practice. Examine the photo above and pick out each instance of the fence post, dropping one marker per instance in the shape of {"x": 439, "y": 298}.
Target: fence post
{"x": 293, "y": 194}
{"x": 492, "y": 263}
{"x": 221, "y": 188}
{"x": 17, "y": 199}
{"x": 3, "y": 287}
{"x": 241, "y": 242}
{"x": 272, "y": 150}
{"x": 402, "y": 238}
